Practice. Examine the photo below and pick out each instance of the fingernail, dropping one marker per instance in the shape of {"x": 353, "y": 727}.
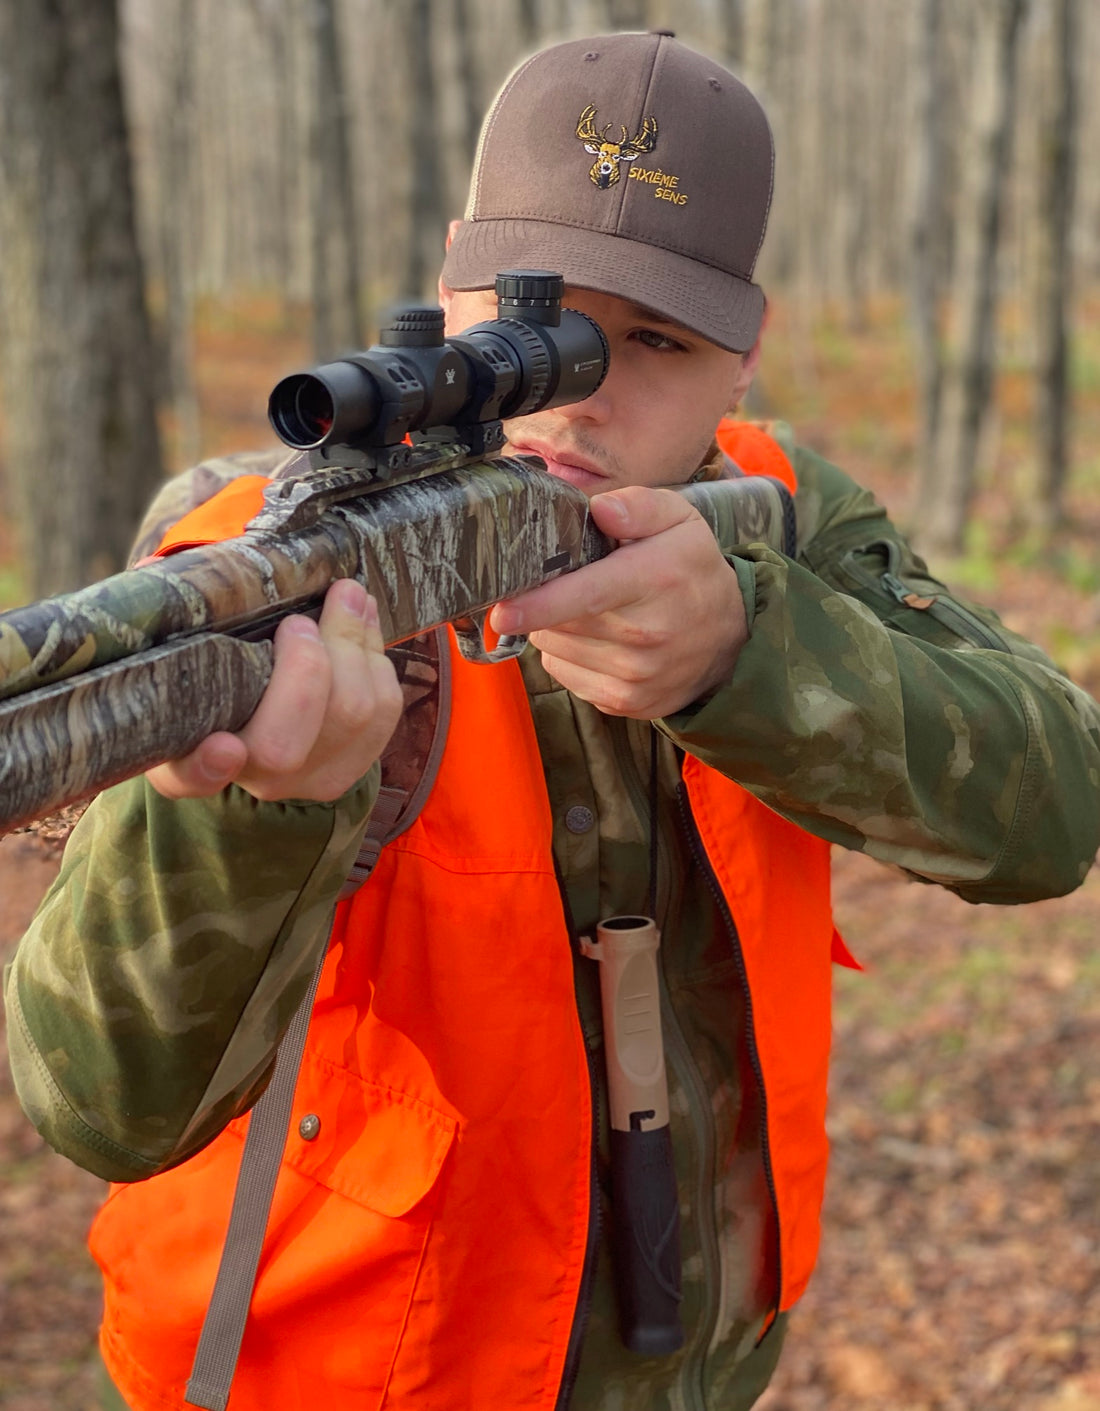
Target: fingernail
{"x": 506, "y": 620}
{"x": 352, "y": 596}
{"x": 302, "y": 627}
{"x": 622, "y": 514}
{"x": 370, "y": 611}
{"x": 218, "y": 763}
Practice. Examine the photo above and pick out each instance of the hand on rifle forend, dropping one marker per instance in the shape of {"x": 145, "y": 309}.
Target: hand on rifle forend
{"x": 330, "y": 707}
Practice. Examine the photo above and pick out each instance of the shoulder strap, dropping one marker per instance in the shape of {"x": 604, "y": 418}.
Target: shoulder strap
{"x": 268, "y": 1125}
{"x": 409, "y": 767}
{"x": 410, "y": 762}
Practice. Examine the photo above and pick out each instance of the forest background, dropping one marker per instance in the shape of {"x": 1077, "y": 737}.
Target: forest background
{"x": 197, "y": 196}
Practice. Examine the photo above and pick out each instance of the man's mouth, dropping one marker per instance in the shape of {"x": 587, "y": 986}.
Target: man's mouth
{"x": 565, "y": 464}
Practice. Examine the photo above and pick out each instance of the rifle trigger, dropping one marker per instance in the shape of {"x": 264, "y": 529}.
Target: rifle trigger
{"x": 470, "y": 634}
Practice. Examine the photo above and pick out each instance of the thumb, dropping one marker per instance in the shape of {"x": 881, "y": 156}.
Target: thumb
{"x": 638, "y": 512}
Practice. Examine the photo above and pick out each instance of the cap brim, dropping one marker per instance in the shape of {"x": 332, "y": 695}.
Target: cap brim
{"x": 717, "y": 305}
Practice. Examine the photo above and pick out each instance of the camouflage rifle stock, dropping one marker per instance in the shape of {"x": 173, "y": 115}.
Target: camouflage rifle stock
{"x": 103, "y": 683}
{"x": 402, "y": 488}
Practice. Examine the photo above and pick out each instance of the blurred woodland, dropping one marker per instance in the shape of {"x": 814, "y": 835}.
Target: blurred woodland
{"x": 159, "y": 158}
{"x": 198, "y": 195}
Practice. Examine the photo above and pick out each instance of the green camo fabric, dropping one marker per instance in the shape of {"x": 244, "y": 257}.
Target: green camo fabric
{"x": 146, "y": 999}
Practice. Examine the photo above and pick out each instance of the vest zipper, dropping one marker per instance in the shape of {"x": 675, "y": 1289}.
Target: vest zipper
{"x": 571, "y": 1367}
{"x": 699, "y": 852}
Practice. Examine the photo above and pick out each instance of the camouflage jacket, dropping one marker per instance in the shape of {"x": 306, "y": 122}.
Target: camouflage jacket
{"x": 869, "y": 706}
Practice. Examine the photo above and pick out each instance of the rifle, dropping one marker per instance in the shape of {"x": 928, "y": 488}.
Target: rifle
{"x": 400, "y": 483}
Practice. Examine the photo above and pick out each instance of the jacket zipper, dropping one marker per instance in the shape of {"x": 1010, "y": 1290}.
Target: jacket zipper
{"x": 699, "y": 852}
{"x": 952, "y": 615}
{"x": 572, "y": 1364}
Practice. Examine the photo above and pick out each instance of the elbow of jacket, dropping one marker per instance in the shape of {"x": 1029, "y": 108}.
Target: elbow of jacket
{"x": 1052, "y": 861}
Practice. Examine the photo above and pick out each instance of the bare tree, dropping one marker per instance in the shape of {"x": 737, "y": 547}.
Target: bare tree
{"x": 627, "y": 14}
{"x": 968, "y": 378}
{"x": 924, "y": 208}
{"x": 76, "y": 354}
{"x": 426, "y": 215}
{"x": 334, "y": 228}
{"x": 848, "y": 119}
{"x": 527, "y": 17}
{"x": 469, "y": 88}
{"x": 176, "y": 213}
{"x": 1052, "y": 260}
{"x": 273, "y": 20}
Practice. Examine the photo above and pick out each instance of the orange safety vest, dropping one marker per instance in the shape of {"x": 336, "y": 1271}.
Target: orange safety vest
{"x": 426, "y": 1248}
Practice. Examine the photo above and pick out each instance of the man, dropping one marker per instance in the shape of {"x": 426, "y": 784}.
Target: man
{"x": 687, "y": 726}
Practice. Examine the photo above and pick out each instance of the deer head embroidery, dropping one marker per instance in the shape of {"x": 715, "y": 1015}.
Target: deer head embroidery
{"x": 609, "y": 155}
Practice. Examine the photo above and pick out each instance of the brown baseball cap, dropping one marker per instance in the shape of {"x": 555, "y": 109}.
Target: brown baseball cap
{"x": 633, "y": 166}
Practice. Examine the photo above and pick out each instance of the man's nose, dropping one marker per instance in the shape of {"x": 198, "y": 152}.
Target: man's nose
{"x": 597, "y": 408}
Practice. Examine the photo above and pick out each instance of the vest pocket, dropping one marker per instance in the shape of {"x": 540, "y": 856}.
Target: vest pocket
{"x": 349, "y": 1224}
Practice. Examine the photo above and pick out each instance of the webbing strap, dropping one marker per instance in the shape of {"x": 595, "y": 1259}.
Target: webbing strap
{"x": 385, "y": 813}
{"x": 223, "y": 1327}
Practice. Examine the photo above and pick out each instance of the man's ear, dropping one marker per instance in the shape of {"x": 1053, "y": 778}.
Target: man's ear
{"x": 444, "y": 291}
{"x": 746, "y": 372}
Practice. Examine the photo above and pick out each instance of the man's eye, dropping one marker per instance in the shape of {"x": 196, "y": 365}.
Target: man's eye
{"x": 661, "y": 341}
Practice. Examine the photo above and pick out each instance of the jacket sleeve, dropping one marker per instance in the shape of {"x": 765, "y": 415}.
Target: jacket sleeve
{"x": 877, "y": 710}
{"x": 147, "y": 999}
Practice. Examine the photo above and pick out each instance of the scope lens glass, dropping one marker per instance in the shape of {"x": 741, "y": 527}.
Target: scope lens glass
{"x": 302, "y": 410}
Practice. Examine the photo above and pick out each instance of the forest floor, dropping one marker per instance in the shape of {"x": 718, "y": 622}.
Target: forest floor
{"x": 960, "y": 1266}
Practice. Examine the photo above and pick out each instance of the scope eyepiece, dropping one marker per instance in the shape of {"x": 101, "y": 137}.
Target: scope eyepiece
{"x": 535, "y": 354}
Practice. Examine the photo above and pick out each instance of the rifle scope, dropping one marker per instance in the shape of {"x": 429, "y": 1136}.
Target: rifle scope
{"x": 535, "y": 354}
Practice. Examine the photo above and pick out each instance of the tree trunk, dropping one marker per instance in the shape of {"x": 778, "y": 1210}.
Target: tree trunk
{"x": 527, "y": 19}
{"x": 177, "y": 225}
{"x": 924, "y": 282}
{"x": 283, "y": 208}
{"x": 968, "y": 379}
{"x": 627, "y": 14}
{"x": 469, "y": 88}
{"x": 426, "y": 215}
{"x": 76, "y": 353}
{"x": 854, "y": 237}
{"x": 1052, "y": 260}
{"x": 334, "y": 229}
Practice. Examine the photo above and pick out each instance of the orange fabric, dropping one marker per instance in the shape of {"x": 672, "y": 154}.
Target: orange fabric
{"x": 224, "y": 516}
{"x": 842, "y": 955}
{"x": 445, "y": 1199}
{"x": 448, "y": 1190}
{"x": 754, "y": 450}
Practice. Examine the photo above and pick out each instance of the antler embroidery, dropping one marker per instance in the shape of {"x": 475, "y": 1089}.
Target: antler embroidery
{"x": 605, "y": 169}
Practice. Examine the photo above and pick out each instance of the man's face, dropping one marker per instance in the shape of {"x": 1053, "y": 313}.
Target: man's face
{"x": 651, "y": 422}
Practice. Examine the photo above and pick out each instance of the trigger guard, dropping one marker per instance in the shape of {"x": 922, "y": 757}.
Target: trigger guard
{"x": 470, "y": 635}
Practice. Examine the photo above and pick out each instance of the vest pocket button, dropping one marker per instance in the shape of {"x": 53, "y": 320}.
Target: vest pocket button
{"x": 309, "y": 1126}
{"x": 579, "y": 819}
